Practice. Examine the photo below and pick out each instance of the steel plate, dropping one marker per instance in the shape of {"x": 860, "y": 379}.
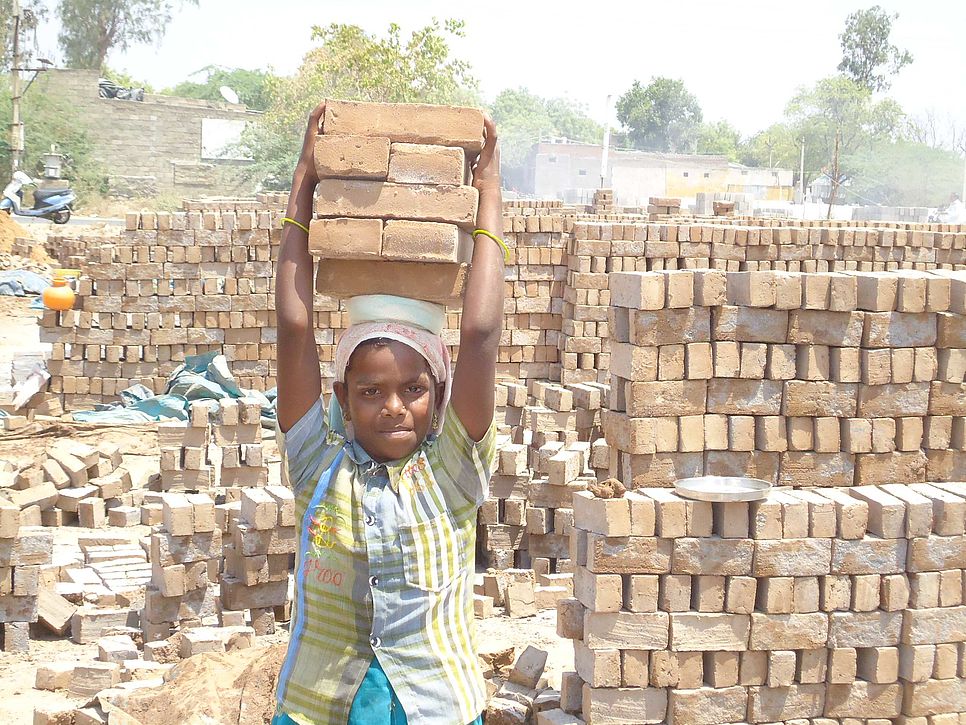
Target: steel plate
{"x": 722, "y": 488}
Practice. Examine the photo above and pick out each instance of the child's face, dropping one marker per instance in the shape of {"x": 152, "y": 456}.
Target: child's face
{"x": 389, "y": 396}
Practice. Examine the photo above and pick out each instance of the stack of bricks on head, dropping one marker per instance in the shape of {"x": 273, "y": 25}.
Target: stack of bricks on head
{"x": 394, "y": 206}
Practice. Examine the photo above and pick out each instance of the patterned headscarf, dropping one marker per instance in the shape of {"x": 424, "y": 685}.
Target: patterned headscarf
{"x": 427, "y": 344}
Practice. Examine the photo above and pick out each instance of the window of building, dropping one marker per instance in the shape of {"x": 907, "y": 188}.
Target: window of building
{"x": 552, "y": 159}
{"x": 582, "y": 172}
{"x": 686, "y": 174}
{"x": 707, "y": 175}
{"x": 744, "y": 172}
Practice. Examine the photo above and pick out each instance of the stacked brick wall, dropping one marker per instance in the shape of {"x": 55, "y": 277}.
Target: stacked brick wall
{"x": 800, "y": 379}
{"x": 809, "y": 607}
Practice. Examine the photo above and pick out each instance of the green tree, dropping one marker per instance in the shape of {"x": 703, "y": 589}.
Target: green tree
{"x": 902, "y": 173}
{"x": 350, "y": 64}
{"x": 52, "y": 121}
{"x": 525, "y": 118}
{"x": 662, "y": 116}
{"x": 776, "y": 146}
{"x": 838, "y": 106}
{"x": 719, "y": 138}
{"x": 868, "y": 58}
{"x": 251, "y": 86}
{"x": 90, "y": 29}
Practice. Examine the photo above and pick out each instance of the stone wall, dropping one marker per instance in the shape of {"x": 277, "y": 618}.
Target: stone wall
{"x": 149, "y": 146}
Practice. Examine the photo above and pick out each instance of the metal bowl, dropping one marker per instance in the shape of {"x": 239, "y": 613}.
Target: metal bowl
{"x": 722, "y": 488}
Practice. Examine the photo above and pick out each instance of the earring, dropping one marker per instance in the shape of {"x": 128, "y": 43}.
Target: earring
{"x": 435, "y": 421}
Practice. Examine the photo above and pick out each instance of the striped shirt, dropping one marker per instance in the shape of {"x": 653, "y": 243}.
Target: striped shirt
{"x": 384, "y": 568}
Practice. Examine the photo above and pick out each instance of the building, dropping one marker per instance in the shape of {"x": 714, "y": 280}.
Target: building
{"x": 572, "y": 171}
{"x": 162, "y": 144}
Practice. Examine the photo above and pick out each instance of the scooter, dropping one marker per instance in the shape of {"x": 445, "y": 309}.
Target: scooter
{"x": 53, "y": 204}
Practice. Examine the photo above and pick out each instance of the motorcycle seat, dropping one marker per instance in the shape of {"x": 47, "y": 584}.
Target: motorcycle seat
{"x": 44, "y": 194}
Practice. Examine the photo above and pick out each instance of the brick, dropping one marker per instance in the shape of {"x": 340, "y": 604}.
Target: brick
{"x": 407, "y": 123}
{"x": 627, "y": 630}
{"x": 788, "y": 631}
{"x": 692, "y": 632}
{"x": 351, "y": 157}
{"x": 707, "y": 706}
{"x": 792, "y": 557}
{"x": 863, "y": 700}
{"x": 424, "y": 242}
{"x": 772, "y": 704}
{"x": 623, "y": 705}
{"x": 712, "y": 555}
{"x": 377, "y": 199}
{"x": 345, "y": 238}
{"x": 426, "y": 164}
{"x": 432, "y": 282}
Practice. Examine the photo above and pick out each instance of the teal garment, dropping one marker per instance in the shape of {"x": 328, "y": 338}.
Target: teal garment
{"x": 375, "y": 702}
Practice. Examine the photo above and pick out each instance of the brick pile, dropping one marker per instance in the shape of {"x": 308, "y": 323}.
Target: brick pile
{"x": 394, "y": 205}
{"x": 75, "y": 483}
{"x": 237, "y": 433}
{"x": 185, "y": 550}
{"x": 804, "y": 380}
{"x": 185, "y": 559}
{"x": 584, "y": 345}
{"x": 259, "y": 556}
{"x": 24, "y": 551}
{"x": 184, "y": 450}
{"x": 816, "y": 605}
{"x": 663, "y": 206}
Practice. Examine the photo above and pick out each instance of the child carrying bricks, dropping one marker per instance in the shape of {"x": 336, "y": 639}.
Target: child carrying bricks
{"x": 387, "y": 484}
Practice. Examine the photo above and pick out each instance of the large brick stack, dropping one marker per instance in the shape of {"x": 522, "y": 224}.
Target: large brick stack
{"x": 184, "y": 450}
{"x": 393, "y": 205}
{"x": 24, "y": 551}
{"x": 804, "y": 380}
{"x": 814, "y": 606}
{"x": 237, "y": 433}
{"x": 259, "y": 556}
{"x": 184, "y": 552}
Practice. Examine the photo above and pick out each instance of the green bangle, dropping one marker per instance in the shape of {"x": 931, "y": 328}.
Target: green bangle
{"x": 495, "y": 238}
{"x": 289, "y": 220}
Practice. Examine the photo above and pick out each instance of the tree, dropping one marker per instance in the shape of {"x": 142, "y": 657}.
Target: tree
{"x": 719, "y": 138}
{"x": 663, "y": 116}
{"x": 90, "y": 29}
{"x": 351, "y": 64}
{"x": 903, "y": 173}
{"x": 34, "y": 12}
{"x": 776, "y": 146}
{"x": 250, "y": 85}
{"x": 838, "y": 106}
{"x": 525, "y": 118}
{"x": 868, "y": 58}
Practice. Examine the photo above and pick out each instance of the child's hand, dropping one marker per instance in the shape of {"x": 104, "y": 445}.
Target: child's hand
{"x": 306, "y": 164}
{"x": 486, "y": 173}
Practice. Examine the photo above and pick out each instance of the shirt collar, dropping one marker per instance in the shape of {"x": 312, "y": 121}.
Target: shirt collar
{"x": 394, "y": 469}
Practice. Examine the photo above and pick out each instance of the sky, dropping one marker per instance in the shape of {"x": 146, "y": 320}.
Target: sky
{"x": 743, "y": 60}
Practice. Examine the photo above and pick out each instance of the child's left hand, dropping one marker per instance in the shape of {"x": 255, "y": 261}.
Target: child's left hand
{"x": 486, "y": 172}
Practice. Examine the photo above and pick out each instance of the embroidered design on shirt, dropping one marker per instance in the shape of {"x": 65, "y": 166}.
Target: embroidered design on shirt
{"x": 323, "y": 527}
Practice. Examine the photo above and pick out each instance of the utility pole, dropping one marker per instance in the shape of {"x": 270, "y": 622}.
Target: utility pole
{"x": 606, "y": 144}
{"x": 835, "y": 177}
{"x": 801, "y": 177}
{"x": 16, "y": 122}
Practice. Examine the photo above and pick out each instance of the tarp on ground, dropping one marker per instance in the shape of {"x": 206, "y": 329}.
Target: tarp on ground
{"x": 22, "y": 283}
{"x": 201, "y": 377}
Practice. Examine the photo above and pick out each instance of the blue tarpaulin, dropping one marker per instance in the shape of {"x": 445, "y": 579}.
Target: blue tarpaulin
{"x": 22, "y": 283}
{"x": 202, "y": 377}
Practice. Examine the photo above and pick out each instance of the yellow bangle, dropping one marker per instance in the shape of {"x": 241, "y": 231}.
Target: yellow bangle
{"x": 495, "y": 238}
{"x": 298, "y": 224}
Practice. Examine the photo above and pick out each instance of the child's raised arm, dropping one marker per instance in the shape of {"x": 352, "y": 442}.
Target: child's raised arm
{"x": 482, "y": 322}
{"x": 299, "y": 380}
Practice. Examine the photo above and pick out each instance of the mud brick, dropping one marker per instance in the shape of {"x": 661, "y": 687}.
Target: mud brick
{"x": 792, "y": 557}
{"x": 935, "y": 553}
{"x": 570, "y": 618}
{"x": 934, "y": 696}
{"x": 819, "y": 327}
{"x": 675, "y": 593}
{"x": 623, "y": 705}
{"x": 744, "y": 324}
{"x": 235, "y": 595}
{"x": 377, "y": 199}
{"x": 712, "y": 555}
{"x": 743, "y": 397}
{"x": 424, "y": 242}
{"x": 88, "y": 624}
{"x": 781, "y": 669}
{"x": 666, "y": 398}
{"x": 721, "y": 668}
{"x": 886, "y": 512}
{"x": 806, "y": 594}
{"x": 916, "y": 662}
{"x": 177, "y": 514}
{"x": 710, "y": 288}
{"x": 599, "y": 668}
{"x": 407, "y": 123}
{"x": 898, "y": 329}
{"x": 868, "y": 555}
{"x": 865, "y": 592}
{"x": 877, "y": 291}
{"x": 949, "y": 509}
{"x": 671, "y": 513}
{"x": 797, "y": 701}
{"x": 345, "y": 238}
{"x": 628, "y": 555}
{"x": 610, "y": 517}
{"x": 776, "y": 595}
{"x": 635, "y": 290}
{"x": 670, "y": 326}
{"x": 167, "y": 550}
{"x": 432, "y": 282}
{"x": 707, "y": 705}
{"x": 259, "y": 509}
{"x": 643, "y": 512}
{"x": 91, "y": 513}
{"x": 818, "y": 398}
{"x": 627, "y": 630}
{"x": 852, "y": 515}
{"x": 842, "y": 663}
{"x": 633, "y": 363}
{"x": 821, "y": 514}
{"x": 934, "y": 626}
{"x": 894, "y": 594}
{"x": 741, "y": 433}
{"x": 351, "y": 157}
{"x": 75, "y": 468}
{"x": 864, "y": 629}
{"x": 89, "y": 679}
{"x": 692, "y": 632}
{"x": 425, "y": 164}
{"x": 753, "y": 668}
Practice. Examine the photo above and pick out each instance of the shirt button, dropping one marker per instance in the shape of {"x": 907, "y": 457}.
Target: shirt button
{"x": 373, "y": 581}
{"x": 370, "y": 520}
{"x": 375, "y": 642}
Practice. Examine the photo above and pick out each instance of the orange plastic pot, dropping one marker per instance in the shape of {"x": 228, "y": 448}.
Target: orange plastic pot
{"x": 59, "y": 296}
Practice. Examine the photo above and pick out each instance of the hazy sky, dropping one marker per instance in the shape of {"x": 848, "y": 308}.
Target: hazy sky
{"x": 743, "y": 59}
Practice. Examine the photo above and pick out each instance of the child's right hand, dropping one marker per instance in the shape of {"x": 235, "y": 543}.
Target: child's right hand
{"x": 306, "y": 164}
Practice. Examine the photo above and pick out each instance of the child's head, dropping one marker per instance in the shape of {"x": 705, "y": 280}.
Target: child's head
{"x": 390, "y": 395}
